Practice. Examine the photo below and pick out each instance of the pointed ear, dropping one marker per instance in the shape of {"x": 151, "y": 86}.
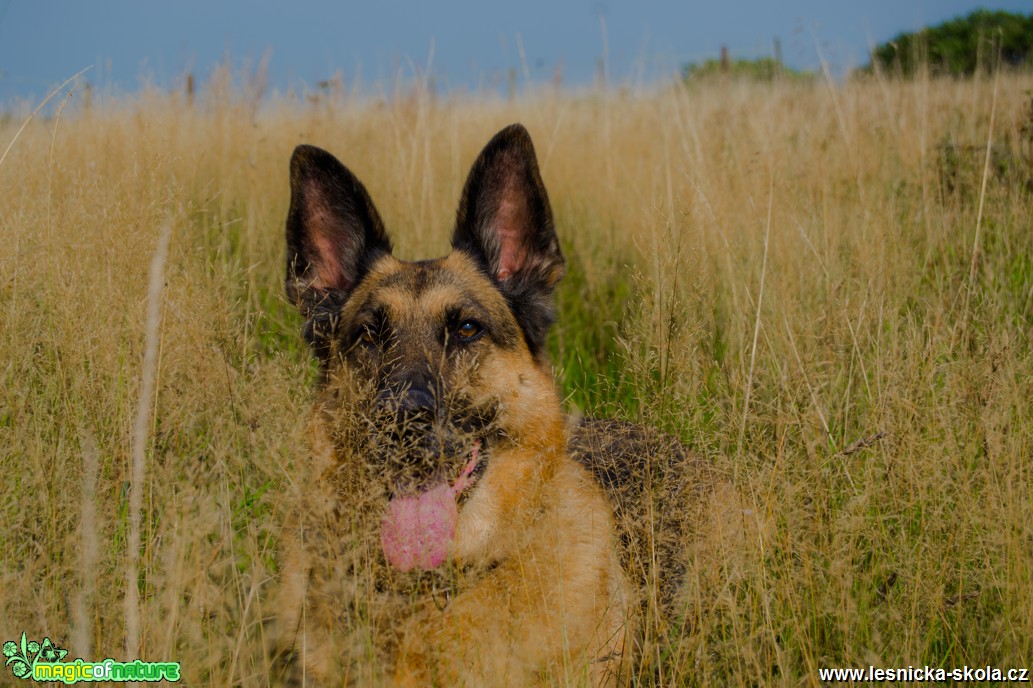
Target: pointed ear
{"x": 505, "y": 222}
{"x": 334, "y": 232}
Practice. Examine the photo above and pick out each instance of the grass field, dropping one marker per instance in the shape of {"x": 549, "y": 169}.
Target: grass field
{"x": 827, "y": 291}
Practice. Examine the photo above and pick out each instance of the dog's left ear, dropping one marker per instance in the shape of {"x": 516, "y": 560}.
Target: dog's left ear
{"x": 505, "y": 222}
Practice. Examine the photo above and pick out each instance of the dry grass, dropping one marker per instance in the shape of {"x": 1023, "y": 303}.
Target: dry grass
{"x": 883, "y": 314}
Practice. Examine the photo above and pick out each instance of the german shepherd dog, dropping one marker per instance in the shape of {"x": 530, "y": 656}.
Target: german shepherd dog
{"x": 458, "y": 527}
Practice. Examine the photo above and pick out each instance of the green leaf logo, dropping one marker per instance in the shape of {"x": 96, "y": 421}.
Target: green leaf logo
{"x": 22, "y": 658}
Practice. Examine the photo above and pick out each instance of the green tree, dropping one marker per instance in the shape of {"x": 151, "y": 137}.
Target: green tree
{"x": 960, "y": 46}
{"x": 761, "y": 69}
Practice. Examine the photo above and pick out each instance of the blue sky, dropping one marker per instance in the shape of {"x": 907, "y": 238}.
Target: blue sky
{"x": 475, "y": 44}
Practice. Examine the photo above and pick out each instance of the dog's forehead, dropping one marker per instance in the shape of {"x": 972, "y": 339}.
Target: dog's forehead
{"x": 428, "y": 287}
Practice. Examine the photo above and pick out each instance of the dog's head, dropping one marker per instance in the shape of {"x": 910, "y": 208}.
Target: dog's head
{"x": 428, "y": 367}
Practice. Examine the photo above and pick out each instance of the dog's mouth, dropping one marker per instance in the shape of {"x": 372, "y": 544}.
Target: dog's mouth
{"x": 418, "y": 529}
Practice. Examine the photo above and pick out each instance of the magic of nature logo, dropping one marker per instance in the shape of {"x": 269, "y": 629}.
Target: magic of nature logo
{"x": 44, "y": 661}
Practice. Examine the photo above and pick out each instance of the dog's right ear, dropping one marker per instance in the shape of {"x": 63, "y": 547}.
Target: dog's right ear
{"x": 334, "y": 232}
{"x": 504, "y": 222}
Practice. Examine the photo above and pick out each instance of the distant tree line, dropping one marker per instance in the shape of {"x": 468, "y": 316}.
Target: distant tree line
{"x": 960, "y": 46}
{"x": 760, "y": 69}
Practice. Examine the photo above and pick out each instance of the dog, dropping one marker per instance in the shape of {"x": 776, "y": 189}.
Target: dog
{"x": 456, "y": 526}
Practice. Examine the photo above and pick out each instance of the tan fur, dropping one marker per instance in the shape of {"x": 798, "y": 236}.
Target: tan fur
{"x": 552, "y": 600}
{"x": 557, "y": 600}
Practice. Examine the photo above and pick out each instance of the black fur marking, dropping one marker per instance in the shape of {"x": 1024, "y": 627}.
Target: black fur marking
{"x": 647, "y": 475}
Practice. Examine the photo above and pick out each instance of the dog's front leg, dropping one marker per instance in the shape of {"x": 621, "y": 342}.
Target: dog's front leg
{"x": 469, "y": 642}
{"x": 516, "y": 627}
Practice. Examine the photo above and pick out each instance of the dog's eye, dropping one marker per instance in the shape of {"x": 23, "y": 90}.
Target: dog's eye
{"x": 469, "y": 330}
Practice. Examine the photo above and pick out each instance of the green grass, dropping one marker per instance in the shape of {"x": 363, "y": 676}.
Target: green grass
{"x": 882, "y": 312}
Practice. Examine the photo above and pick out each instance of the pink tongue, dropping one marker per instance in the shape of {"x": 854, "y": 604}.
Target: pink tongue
{"x": 416, "y": 531}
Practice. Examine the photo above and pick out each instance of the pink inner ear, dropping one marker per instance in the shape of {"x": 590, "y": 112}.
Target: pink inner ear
{"x": 328, "y": 239}
{"x": 329, "y": 273}
{"x": 510, "y": 227}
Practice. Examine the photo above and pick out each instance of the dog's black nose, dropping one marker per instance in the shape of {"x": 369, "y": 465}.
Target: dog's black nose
{"x": 416, "y": 402}
{"x": 409, "y": 404}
